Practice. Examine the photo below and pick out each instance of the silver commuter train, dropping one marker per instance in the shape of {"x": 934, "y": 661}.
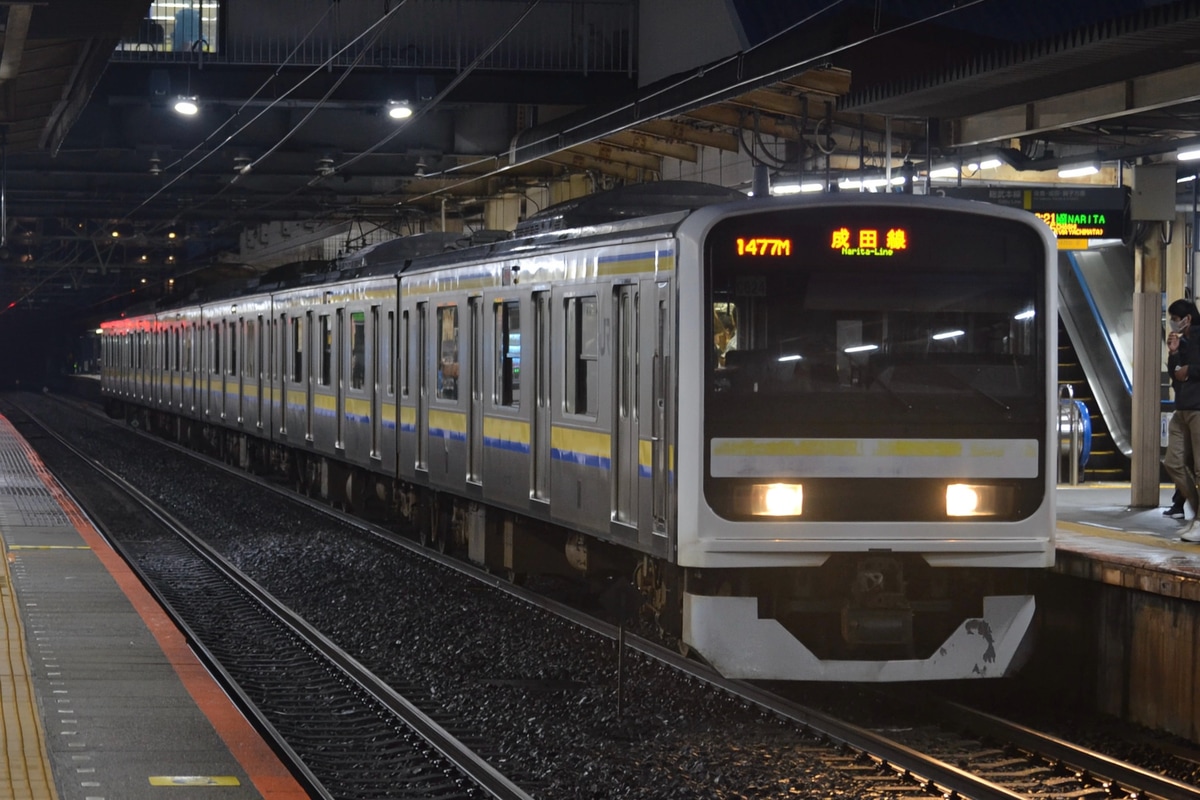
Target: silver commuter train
{"x": 817, "y": 434}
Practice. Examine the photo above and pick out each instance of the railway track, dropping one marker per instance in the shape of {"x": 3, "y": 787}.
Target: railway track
{"x": 344, "y": 733}
{"x": 936, "y": 760}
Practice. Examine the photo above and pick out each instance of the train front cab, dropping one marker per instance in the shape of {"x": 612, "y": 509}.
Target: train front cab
{"x": 852, "y": 392}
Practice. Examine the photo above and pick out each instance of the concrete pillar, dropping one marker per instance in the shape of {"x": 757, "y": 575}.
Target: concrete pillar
{"x": 1147, "y": 372}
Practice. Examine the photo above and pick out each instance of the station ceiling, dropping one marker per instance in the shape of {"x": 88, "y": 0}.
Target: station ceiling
{"x": 90, "y": 144}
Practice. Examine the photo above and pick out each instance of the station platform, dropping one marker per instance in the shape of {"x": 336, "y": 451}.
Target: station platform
{"x": 102, "y": 697}
{"x": 1100, "y": 537}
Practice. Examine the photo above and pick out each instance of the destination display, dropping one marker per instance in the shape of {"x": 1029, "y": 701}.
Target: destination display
{"x": 1072, "y": 212}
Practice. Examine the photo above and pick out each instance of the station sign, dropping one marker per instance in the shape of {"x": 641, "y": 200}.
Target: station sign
{"x": 1072, "y": 212}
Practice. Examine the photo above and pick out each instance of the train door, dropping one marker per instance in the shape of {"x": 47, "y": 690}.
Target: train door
{"x": 655, "y": 425}
{"x": 309, "y": 331}
{"x": 475, "y": 392}
{"x": 422, "y": 359}
{"x": 540, "y": 393}
{"x": 211, "y": 359}
{"x": 339, "y": 404}
{"x": 376, "y": 382}
{"x": 625, "y": 445}
{"x": 221, "y": 347}
{"x": 261, "y": 368}
{"x": 239, "y": 369}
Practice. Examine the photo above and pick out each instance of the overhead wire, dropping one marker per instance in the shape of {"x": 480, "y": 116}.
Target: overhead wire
{"x": 509, "y": 160}
{"x": 385, "y": 18}
{"x": 417, "y": 113}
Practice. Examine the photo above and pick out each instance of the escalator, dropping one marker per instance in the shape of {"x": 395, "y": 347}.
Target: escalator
{"x": 1095, "y": 289}
{"x": 1105, "y": 461}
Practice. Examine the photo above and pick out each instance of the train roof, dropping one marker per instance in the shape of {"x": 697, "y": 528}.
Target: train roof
{"x": 641, "y": 209}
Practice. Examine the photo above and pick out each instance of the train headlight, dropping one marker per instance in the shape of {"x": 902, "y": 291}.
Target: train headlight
{"x": 776, "y": 499}
{"x": 967, "y": 500}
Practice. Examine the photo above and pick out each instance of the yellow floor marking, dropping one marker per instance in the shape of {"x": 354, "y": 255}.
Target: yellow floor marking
{"x": 194, "y": 780}
{"x": 1134, "y": 537}
{"x": 48, "y": 547}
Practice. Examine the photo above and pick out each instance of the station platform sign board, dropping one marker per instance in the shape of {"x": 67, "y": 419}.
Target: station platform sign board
{"x": 1074, "y": 213}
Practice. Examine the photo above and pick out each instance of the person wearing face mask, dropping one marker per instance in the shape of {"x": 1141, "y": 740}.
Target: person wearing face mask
{"x": 1183, "y": 432}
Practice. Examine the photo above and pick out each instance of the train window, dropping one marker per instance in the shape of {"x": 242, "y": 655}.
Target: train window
{"x": 583, "y": 354}
{"x": 508, "y": 353}
{"x": 215, "y": 366}
{"x": 249, "y": 356}
{"x": 234, "y": 338}
{"x": 324, "y": 375}
{"x": 407, "y": 358}
{"x": 447, "y": 374}
{"x": 297, "y": 350}
{"x": 391, "y": 362}
{"x": 358, "y": 350}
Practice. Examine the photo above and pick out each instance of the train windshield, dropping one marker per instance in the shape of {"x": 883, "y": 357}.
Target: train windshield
{"x": 874, "y": 321}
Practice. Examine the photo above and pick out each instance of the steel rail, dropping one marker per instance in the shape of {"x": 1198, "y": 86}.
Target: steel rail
{"x": 489, "y": 779}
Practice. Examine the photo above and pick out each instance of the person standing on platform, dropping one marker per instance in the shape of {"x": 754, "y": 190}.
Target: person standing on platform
{"x": 1183, "y": 433}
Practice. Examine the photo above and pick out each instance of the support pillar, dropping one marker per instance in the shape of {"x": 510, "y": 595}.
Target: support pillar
{"x": 1147, "y": 373}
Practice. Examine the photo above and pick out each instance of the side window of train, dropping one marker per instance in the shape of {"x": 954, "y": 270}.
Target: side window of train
{"x": 404, "y": 353}
{"x": 581, "y": 393}
{"x": 358, "y": 350}
{"x": 215, "y": 366}
{"x": 447, "y": 370}
{"x": 234, "y": 339}
{"x": 391, "y": 360}
{"x": 250, "y": 350}
{"x": 325, "y": 372}
{"x": 508, "y": 353}
{"x": 296, "y": 349}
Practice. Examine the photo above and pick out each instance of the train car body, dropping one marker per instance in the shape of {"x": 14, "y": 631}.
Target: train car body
{"x": 815, "y": 434}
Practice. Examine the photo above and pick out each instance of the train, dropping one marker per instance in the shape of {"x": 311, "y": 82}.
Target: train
{"x": 815, "y": 435}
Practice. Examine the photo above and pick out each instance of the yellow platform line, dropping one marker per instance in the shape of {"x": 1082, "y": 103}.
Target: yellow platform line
{"x": 26, "y": 763}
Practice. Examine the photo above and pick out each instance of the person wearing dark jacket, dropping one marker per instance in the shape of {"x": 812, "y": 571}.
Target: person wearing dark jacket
{"x": 1183, "y": 434}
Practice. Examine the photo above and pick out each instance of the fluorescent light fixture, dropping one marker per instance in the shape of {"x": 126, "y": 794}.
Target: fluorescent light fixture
{"x": 398, "y": 109}
{"x": 1186, "y": 179}
{"x": 861, "y": 348}
{"x": 944, "y": 172}
{"x": 796, "y": 188}
{"x": 1030, "y": 314}
{"x": 1189, "y": 155}
{"x": 875, "y": 183}
{"x": 898, "y": 180}
{"x": 790, "y": 357}
{"x": 188, "y": 106}
{"x": 987, "y": 163}
{"x": 1078, "y": 171}
{"x": 849, "y": 183}
{"x": 947, "y": 335}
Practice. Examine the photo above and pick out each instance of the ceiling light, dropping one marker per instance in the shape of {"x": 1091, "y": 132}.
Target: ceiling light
{"x": 399, "y": 109}
{"x": 944, "y": 172}
{"x": 1186, "y": 179}
{"x": 187, "y": 106}
{"x": 987, "y": 163}
{"x": 1189, "y": 155}
{"x": 1078, "y": 170}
